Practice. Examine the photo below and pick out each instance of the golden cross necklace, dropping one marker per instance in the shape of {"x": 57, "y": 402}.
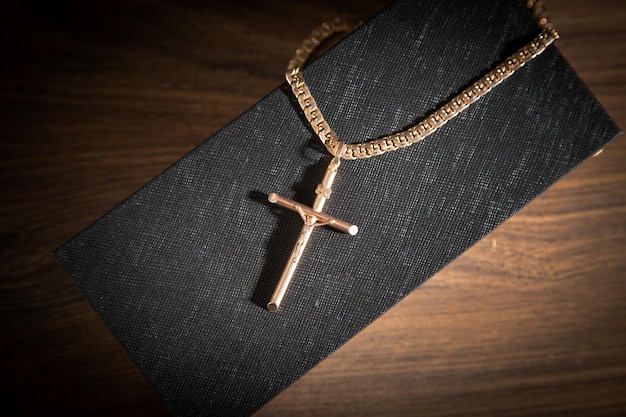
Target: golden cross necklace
{"x": 314, "y": 216}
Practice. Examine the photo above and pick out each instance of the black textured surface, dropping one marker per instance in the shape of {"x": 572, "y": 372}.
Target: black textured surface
{"x": 179, "y": 269}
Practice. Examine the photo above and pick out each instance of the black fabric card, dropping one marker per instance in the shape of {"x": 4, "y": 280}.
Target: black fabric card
{"x": 180, "y": 270}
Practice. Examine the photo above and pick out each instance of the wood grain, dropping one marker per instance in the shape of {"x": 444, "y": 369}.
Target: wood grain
{"x": 98, "y": 97}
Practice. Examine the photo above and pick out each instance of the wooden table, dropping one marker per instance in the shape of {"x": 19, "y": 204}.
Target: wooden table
{"x": 99, "y": 97}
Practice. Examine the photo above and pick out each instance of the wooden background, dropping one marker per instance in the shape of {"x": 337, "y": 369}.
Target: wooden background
{"x": 98, "y": 97}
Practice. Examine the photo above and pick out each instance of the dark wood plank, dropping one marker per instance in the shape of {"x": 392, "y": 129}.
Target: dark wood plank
{"x": 98, "y": 97}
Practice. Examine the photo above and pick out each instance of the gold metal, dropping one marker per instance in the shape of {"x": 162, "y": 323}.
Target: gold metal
{"x": 429, "y": 124}
{"x": 322, "y": 218}
{"x": 314, "y": 217}
{"x": 539, "y": 13}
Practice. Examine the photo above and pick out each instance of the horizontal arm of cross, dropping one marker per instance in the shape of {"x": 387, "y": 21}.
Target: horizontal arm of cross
{"x": 322, "y": 218}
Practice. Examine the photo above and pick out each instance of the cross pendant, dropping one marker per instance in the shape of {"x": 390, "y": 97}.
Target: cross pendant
{"x": 312, "y": 217}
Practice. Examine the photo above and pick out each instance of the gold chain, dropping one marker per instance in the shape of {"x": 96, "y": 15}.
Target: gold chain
{"x": 426, "y": 126}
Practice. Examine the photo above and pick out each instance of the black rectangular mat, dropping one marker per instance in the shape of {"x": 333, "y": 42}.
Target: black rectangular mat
{"x": 181, "y": 270}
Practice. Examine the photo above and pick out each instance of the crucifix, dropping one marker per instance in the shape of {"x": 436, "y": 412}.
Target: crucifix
{"x": 312, "y": 217}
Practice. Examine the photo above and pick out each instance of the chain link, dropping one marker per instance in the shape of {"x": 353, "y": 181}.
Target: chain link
{"x": 426, "y": 126}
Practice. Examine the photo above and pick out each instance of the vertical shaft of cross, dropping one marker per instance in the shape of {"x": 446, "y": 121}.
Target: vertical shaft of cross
{"x": 312, "y": 218}
{"x": 290, "y": 269}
